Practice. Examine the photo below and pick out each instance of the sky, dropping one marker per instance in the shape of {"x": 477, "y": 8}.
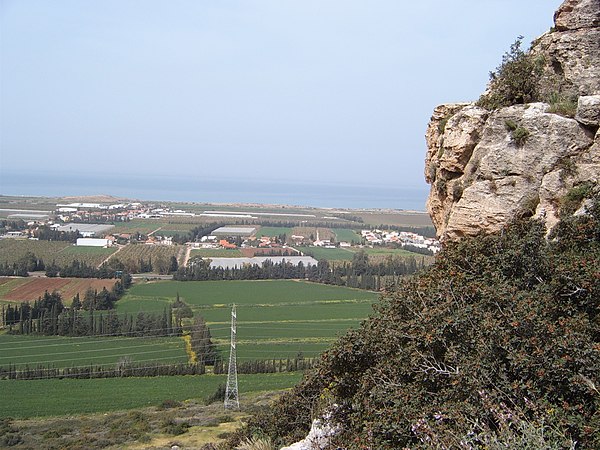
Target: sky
{"x": 307, "y": 91}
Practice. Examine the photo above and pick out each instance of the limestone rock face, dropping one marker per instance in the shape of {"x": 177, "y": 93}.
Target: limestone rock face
{"x": 574, "y": 14}
{"x": 571, "y": 52}
{"x": 488, "y": 167}
{"x": 572, "y": 59}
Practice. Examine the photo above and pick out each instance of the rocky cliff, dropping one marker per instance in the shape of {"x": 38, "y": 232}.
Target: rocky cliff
{"x": 520, "y": 150}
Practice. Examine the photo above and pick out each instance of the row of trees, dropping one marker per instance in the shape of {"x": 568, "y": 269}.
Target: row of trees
{"x": 123, "y": 368}
{"x": 91, "y": 316}
{"x": 267, "y": 365}
{"x": 359, "y": 273}
{"x": 80, "y": 269}
{"x": 27, "y": 263}
{"x": 71, "y": 322}
{"x": 45, "y": 233}
{"x": 126, "y": 368}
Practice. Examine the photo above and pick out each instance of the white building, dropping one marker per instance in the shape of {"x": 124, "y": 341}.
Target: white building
{"x": 93, "y": 242}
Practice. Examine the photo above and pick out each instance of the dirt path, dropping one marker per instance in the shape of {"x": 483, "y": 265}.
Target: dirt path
{"x": 186, "y": 257}
{"x": 152, "y": 232}
{"x": 111, "y": 255}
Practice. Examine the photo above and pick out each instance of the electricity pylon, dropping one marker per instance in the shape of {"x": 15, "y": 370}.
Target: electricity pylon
{"x": 232, "y": 400}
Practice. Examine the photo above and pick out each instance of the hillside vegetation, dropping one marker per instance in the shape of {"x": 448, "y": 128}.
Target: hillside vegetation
{"x": 497, "y": 345}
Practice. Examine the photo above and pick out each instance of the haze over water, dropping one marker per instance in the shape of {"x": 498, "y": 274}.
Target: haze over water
{"x": 216, "y": 190}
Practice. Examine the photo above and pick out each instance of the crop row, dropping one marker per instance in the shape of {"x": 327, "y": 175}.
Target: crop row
{"x": 159, "y": 256}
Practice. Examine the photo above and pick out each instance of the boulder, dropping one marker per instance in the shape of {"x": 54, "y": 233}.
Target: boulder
{"x": 588, "y": 110}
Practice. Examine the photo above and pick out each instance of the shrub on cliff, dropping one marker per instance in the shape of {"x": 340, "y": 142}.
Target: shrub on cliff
{"x": 515, "y": 81}
{"x": 498, "y": 342}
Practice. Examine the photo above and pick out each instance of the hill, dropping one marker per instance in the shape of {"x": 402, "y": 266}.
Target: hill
{"x": 497, "y": 343}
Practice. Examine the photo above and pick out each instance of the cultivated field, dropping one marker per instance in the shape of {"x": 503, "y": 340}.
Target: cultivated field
{"x": 274, "y": 231}
{"x": 276, "y": 319}
{"x": 346, "y": 235}
{"x": 328, "y": 254}
{"x": 62, "y": 253}
{"x": 159, "y": 255}
{"x": 399, "y": 218}
{"x": 43, "y": 398}
{"x": 324, "y": 233}
{"x": 164, "y": 227}
{"x": 59, "y": 351}
{"x": 29, "y": 289}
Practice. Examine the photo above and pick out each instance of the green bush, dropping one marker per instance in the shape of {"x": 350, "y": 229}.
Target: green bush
{"x": 502, "y": 324}
{"x": 169, "y": 426}
{"x": 572, "y": 200}
{"x": 515, "y": 80}
{"x": 518, "y": 133}
{"x": 217, "y": 396}
{"x": 564, "y": 105}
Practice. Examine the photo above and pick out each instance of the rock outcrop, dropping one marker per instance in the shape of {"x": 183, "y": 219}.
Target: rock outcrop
{"x": 488, "y": 167}
{"x": 318, "y": 438}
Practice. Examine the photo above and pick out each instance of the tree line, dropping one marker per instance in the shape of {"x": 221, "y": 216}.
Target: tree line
{"x": 45, "y": 233}
{"x": 21, "y": 268}
{"x": 267, "y": 365}
{"x": 358, "y": 273}
{"x": 120, "y": 370}
{"x": 80, "y": 269}
{"x": 93, "y": 315}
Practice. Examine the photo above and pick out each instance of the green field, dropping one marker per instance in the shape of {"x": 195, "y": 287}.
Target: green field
{"x": 43, "y": 398}
{"x": 329, "y": 254}
{"x": 136, "y": 226}
{"x": 61, "y": 351}
{"x": 273, "y": 231}
{"x": 276, "y": 319}
{"x": 346, "y": 235}
{"x": 346, "y": 254}
{"x": 382, "y": 251}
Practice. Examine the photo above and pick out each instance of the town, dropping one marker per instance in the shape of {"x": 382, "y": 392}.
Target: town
{"x": 97, "y": 224}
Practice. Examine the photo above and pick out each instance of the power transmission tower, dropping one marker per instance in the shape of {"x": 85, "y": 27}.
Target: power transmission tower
{"x": 231, "y": 392}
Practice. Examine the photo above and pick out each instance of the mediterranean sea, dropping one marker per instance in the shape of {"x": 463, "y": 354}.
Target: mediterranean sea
{"x": 216, "y": 190}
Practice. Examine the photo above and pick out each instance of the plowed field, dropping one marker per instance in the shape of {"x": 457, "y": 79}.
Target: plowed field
{"x": 31, "y": 288}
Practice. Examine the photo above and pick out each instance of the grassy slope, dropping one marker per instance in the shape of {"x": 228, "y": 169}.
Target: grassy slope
{"x": 41, "y": 398}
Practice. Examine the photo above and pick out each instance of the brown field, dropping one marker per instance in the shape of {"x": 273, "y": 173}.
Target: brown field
{"x": 32, "y": 288}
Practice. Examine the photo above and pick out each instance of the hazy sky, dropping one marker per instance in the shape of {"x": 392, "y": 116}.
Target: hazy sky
{"x": 308, "y": 90}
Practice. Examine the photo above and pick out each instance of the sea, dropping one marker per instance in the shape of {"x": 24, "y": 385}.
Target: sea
{"x": 217, "y": 190}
